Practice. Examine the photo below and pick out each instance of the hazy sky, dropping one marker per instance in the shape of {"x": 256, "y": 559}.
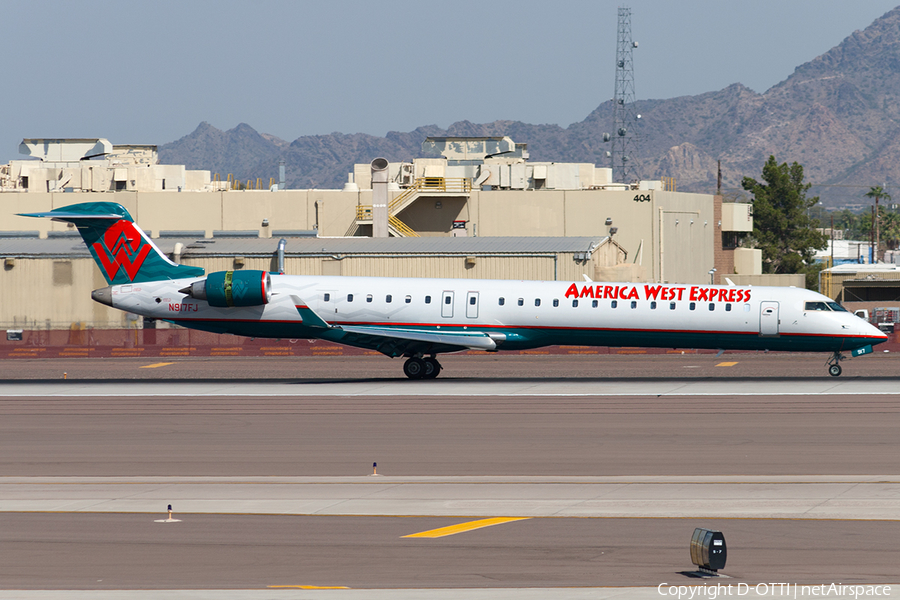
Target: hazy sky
{"x": 150, "y": 72}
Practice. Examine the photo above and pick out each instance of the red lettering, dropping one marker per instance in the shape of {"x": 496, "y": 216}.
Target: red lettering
{"x": 172, "y": 307}
{"x": 633, "y": 294}
{"x": 693, "y": 296}
{"x": 747, "y": 296}
{"x": 652, "y": 291}
{"x": 680, "y": 291}
{"x": 608, "y": 292}
{"x": 572, "y": 291}
{"x": 598, "y": 293}
{"x": 731, "y": 295}
{"x": 702, "y": 294}
{"x": 587, "y": 291}
{"x": 714, "y": 294}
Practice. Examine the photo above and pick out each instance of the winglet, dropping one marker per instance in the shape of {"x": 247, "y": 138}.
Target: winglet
{"x": 309, "y": 316}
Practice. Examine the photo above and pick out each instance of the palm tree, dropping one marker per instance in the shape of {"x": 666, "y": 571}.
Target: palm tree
{"x": 877, "y": 192}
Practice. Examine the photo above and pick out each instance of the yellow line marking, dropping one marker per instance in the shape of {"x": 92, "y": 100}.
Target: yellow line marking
{"x": 310, "y": 587}
{"x": 153, "y": 366}
{"x": 726, "y": 364}
{"x": 463, "y": 527}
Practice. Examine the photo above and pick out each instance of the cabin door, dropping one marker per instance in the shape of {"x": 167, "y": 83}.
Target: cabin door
{"x": 327, "y": 304}
{"x": 447, "y": 305}
{"x": 768, "y": 319}
{"x": 472, "y": 305}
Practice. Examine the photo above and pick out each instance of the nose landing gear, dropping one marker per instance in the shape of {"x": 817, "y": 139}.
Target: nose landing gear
{"x": 422, "y": 368}
{"x": 834, "y": 367}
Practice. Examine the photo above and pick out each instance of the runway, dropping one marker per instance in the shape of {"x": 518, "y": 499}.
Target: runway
{"x": 659, "y": 497}
{"x": 271, "y": 477}
{"x": 460, "y": 388}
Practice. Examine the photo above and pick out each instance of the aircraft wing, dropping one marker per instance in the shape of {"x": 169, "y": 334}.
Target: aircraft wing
{"x": 395, "y": 341}
{"x": 474, "y": 340}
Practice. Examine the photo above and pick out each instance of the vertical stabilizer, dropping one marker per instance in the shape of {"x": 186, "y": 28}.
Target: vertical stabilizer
{"x": 124, "y": 253}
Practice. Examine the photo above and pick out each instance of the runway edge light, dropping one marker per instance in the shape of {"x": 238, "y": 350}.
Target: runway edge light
{"x": 170, "y": 519}
{"x": 708, "y": 550}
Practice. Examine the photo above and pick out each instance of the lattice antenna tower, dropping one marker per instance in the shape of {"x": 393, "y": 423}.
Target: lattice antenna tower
{"x": 624, "y": 154}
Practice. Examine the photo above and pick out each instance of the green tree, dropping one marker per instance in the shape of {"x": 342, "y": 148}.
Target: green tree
{"x": 781, "y": 224}
{"x": 889, "y": 222}
{"x": 877, "y": 192}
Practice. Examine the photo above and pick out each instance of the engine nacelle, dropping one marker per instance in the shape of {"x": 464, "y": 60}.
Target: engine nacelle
{"x": 232, "y": 288}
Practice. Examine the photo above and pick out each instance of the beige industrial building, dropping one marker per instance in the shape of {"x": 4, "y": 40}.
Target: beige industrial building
{"x": 475, "y": 191}
{"x": 46, "y": 284}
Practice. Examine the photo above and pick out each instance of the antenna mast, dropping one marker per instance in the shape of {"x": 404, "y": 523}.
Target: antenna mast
{"x": 624, "y": 154}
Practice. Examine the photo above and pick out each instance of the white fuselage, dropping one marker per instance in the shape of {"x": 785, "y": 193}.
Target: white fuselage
{"x": 524, "y": 314}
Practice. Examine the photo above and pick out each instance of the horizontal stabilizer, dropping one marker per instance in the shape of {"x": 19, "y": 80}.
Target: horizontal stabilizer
{"x": 59, "y": 215}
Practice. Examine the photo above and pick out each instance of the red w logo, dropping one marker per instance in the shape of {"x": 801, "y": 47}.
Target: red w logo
{"x": 121, "y": 247}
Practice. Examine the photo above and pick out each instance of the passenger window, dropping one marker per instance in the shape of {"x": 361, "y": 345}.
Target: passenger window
{"x": 555, "y": 302}
{"x": 671, "y": 306}
{"x": 521, "y": 302}
{"x": 537, "y": 301}
{"x": 448, "y": 300}
{"x": 388, "y": 298}
{"x": 349, "y": 297}
{"x": 501, "y": 302}
{"x": 746, "y": 308}
{"x": 712, "y": 306}
{"x": 634, "y": 304}
{"x": 614, "y": 304}
{"x": 693, "y": 305}
{"x": 368, "y": 297}
{"x": 727, "y": 308}
{"x": 408, "y": 299}
{"x": 595, "y": 304}
{"x": 574, "y": 303}
{"x": 653, "y": 305}
{"x": 427, "y": 299}
{"x": 471, "y": 300}
{"x": 327, "y": 297}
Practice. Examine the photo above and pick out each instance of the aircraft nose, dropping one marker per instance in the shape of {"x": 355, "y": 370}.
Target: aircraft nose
{"x": 875, "y": 332}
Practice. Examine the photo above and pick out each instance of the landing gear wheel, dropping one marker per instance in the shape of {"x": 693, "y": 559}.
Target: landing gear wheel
{"x": 432, "y": 368}
{"x": 414, "y": 368}
{"x": 834, "y": 364}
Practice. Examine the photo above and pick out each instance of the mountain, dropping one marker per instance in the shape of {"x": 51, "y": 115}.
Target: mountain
{"x": 837, "y": 115}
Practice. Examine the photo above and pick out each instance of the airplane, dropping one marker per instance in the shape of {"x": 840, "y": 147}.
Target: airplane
{"x": 421, "y": 318}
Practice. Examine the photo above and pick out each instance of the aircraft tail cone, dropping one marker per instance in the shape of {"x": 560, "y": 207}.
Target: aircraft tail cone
{"x": 103, "y": 296}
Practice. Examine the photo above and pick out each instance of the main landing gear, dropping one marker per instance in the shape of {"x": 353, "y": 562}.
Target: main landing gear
{"x": 422, "y": 368}
{"x": 834, "y": 367}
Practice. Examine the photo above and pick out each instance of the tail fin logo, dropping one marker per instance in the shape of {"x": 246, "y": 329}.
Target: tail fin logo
{"x": 121, "y": 247}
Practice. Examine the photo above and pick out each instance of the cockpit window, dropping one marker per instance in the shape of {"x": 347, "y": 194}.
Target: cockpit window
{"x": 837, "y": 307}
{"x": 817, "y": 306}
